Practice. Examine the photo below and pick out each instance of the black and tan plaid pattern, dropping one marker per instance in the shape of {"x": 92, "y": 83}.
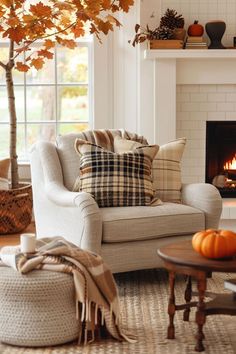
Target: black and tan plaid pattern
{"x": 116, "y": 179}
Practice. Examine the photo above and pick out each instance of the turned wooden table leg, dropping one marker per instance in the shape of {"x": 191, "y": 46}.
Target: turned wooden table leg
{"x": 171, "y": 307}
{"x": 187, "y": 297}
{"x": 200, "y": 314}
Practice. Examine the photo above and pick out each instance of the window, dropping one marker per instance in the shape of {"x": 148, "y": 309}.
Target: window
{"x": 54, "y": 100}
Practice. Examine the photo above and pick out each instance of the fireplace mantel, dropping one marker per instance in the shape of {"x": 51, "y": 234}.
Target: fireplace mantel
{"x": 172, "y": 67}
{"x": 190, "y": 54}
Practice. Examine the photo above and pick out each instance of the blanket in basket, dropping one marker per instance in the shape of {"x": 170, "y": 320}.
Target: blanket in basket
{"x": 97, "y": 301}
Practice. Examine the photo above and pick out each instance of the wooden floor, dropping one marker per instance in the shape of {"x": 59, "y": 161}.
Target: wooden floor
{"x": 14, "y": 239}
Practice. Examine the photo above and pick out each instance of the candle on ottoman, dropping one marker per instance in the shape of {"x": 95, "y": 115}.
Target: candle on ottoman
{"x": 27, "y": 243}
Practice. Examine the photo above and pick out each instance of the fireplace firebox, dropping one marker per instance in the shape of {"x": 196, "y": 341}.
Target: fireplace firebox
{"x": 221, "y": 156}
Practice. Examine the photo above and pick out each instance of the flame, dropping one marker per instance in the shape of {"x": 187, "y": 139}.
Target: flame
{"x": 230, "y": 165}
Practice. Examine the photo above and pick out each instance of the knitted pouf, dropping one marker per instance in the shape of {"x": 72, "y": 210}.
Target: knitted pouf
{"x": 37, "y": 309}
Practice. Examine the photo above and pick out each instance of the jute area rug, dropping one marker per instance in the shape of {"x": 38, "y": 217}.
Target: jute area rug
{"x": 144, "y": 299}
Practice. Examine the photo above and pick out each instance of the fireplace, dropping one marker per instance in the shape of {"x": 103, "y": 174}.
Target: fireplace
{"x": 221, "y": 156}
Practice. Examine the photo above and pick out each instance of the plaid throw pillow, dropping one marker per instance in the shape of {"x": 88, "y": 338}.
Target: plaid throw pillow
{"x": 116, "y": 179}
{"x": 166, "y": 169}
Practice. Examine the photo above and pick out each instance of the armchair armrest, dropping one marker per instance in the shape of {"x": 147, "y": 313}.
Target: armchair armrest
{"x": 58, "y": 211}
{"x": 205, "y": 197}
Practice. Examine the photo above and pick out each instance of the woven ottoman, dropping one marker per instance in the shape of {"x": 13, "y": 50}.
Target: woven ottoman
{"x": 37, "y": 309}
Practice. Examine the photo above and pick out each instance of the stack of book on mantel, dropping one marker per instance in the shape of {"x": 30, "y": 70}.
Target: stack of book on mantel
{"x": 196, "y": 43}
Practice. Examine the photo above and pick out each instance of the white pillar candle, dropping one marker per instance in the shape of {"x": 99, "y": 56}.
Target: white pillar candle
{"x": 27, "y": 243}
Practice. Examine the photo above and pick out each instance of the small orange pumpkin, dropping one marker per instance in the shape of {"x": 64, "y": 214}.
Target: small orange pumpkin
{"x": 215, "y": 243}
{"x": 195, "y": 30}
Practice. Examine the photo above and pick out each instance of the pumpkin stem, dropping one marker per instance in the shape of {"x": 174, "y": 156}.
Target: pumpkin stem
{"x": 195, "y": 22}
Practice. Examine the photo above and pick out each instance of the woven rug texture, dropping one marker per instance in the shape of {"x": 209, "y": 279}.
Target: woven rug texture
{"x": 144, "y": 300}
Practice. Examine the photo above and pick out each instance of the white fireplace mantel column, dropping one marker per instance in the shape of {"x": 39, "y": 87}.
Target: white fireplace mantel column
{"x": 172, "y": 67}
{"x": 165, "y": 100}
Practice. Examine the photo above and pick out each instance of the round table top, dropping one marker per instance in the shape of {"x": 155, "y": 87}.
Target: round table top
{"x": 182, "y": 254}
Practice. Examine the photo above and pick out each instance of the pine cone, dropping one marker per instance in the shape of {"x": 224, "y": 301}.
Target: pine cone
{"x": 164, "y": 33}
{"x": 172, "y": 20}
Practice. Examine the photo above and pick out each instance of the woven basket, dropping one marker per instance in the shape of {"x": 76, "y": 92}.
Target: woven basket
{"x": 15, "y": 209}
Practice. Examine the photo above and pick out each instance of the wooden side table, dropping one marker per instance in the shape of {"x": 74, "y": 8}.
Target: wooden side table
{"x": 181, "y": 258}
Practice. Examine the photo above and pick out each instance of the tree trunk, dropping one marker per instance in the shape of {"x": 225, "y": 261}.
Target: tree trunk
{"x": 12, "y": 112}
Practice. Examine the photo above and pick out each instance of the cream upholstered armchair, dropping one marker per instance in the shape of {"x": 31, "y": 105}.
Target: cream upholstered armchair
{"x": 126, "y": 237}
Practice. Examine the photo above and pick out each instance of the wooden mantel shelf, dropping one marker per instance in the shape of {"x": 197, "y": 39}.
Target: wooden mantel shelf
{"x": 190, "y": 54}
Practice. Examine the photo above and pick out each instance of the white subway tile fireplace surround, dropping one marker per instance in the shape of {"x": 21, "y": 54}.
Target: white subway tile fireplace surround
{"x": 197, "y": 104}
{"x": 190, "y": 88}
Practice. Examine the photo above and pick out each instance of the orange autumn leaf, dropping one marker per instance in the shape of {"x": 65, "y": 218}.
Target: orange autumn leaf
{"x": 37, "y": 63}
{"x": 105, "y": 27}
{"x": 65, "y": 21}
{"x": 106, "y": 4}
{"x": 69, "y": 43}
{"x": 78, "y": 30}
{"x": 45, "y": 53}
{"x": 125, "y": 4}
{"x": 13, "y": 21}
{"x": 41, "y": 10}
{"x": 22, "y": 67}
{"x": 112, "y": 19}
{"x": 6, "y": 3}
{"x": 28, "y": 18}
{"x": 16, "y": 34}
{"x": 63, "y": 6}
{"x": 48, "y": 44}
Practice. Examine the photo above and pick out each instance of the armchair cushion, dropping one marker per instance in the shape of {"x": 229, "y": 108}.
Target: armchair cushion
{"x": 166, "y": 170}
{"x": 145, "y": 223}
{"x": 116, "y": 179}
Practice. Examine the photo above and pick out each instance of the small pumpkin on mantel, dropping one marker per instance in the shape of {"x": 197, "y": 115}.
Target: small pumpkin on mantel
{"x": 195, "y": 30}
{"x": 215, "y": 244}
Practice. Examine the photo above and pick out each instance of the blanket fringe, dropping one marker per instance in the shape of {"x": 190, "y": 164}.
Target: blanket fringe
{"x": 83, "y": 312}
{"x": 96, "y": 314}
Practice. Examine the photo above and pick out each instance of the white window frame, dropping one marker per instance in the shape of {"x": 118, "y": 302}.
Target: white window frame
{"x": 86, "y": 42}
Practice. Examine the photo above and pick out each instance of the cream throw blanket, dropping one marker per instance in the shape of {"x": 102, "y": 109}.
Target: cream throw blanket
{"x": 97, "y": 302}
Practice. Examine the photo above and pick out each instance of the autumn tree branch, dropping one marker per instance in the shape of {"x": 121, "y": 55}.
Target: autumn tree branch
{"x": 3, "y": 65}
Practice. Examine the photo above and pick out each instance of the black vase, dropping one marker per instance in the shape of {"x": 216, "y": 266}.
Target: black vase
{"x": 215, "y": 31}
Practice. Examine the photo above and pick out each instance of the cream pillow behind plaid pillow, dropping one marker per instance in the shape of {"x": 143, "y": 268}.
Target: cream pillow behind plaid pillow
{"x": 166, "y": 168}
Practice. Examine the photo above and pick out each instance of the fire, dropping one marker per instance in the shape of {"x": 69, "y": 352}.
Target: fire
{"x": 230, "y": 165}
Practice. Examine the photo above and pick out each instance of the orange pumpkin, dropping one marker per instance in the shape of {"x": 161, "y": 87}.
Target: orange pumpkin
{"x": 195, "y": 30}
{"x": 215, "y": 243}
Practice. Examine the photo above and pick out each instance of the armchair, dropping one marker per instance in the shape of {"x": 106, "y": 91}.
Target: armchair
{"x": 126, "y": 237}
